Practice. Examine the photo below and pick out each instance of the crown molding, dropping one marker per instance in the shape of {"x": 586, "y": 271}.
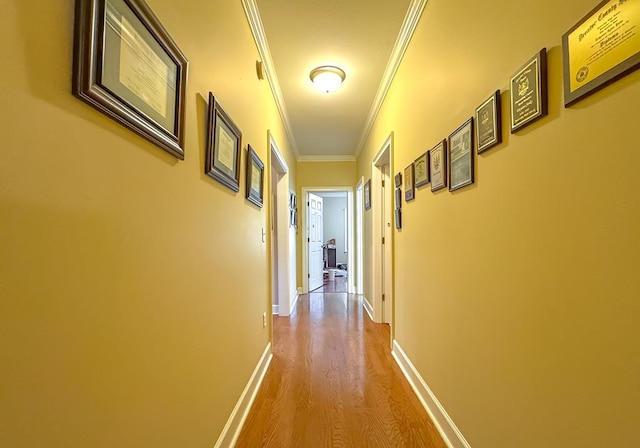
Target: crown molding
{"x": 255, "y": 23}
{"x": 327, "y": 158}
{"x": 402, "y": 42}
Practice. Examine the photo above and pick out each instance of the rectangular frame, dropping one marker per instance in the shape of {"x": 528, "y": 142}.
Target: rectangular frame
{"x": 409, "y": 185}
{"x": 601, "y": 48}
{"x": 489, "y": 123}
{"x": 224, "y": 141}
{"x": 421, "y": 170}
{"x": 398, "y": 218}
{"x": 367, "y": 195}
{"x": 398, "y": 180}
{"x": 398, "y": 197}
{"x": 438, "y": 166}
{"x": 139, "y": 80}
{"x": 460, "y": 156}
{"x": 255, "y": 177}
{"x": 529, "y": 98}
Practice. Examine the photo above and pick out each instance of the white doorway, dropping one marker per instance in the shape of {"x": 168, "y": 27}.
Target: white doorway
{"x": 359, "y": 239}
{"x": 315, "y": 241}
{"x": 347, "y": 234}
{"x": 382, "y": 235}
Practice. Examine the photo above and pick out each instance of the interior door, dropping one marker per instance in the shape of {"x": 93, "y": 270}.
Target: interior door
{"x": 315, "y": 240}
{"x": 386, "y": 274}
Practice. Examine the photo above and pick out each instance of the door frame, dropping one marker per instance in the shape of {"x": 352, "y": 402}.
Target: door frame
{"x": 359, "y": 238}
{"x": 304, "y": 236}
{"x": 383, "y": 158}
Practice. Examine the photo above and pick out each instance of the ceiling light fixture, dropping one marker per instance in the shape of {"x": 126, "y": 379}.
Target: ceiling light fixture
{"x": 327, "y": 77}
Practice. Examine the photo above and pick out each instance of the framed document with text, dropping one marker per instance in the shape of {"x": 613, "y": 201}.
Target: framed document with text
{"x": 529, "y": 92}
{"x": 367, "y": 195}
{"x": 489, "y": 123}
{"x": 224, "y": 141}
{"x": 421, "y": 165}
{"x": 602, "y": 47}
{"x": 438, "y": 166}
{"x": 255, "y": 177}
{"x": 461, "y": 156}
{"x": 409, "y": 185}
{"x": 127, "y": 66}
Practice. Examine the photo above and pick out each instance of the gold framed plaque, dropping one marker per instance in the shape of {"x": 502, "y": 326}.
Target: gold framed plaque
{"x": 602, "y": 47}
{"x": 127, "y": 66}
{"x": 438, "y": 166}
{"x": 529, "y": 92}
{"x": 255, "y": 177}
{"x": 461, "y": 156}
{"x": 224, "y": 141}
{"x": 489, "y": 123}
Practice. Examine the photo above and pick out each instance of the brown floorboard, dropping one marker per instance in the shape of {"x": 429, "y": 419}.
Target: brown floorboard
{"x": 333, "y": 383}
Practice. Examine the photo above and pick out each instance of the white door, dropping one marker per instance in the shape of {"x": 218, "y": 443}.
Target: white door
{"x": 315, "y": 239}
{"x": 386, "y": 246}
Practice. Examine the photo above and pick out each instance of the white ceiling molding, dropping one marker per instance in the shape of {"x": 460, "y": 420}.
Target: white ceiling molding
{"x": 327, "y": 158}
{"x": 402, "y": 42}
{"x": 255, "y": 23}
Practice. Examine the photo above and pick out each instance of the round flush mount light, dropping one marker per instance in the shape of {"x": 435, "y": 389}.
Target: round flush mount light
{"x": 327, "y": 78}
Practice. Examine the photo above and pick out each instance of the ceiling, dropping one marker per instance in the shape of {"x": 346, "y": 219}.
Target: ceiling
{"x": 359, "y": 36}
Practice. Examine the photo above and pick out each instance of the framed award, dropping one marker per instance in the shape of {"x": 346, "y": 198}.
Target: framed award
{"x": 529, "y": 92}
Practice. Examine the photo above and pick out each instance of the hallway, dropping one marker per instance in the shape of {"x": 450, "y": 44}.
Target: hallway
{"x": 333, "y": 383}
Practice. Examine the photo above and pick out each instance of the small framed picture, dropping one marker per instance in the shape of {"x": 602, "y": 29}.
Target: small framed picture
{"x": 398, "y": 197}
{"x": 421, "y": 165}
{"x": 223, "y": 147}
{"x": 438, "y": 166}
{"x": 529, "y": 92}
{"x": 409, "y": 186}
{"x": 461, "y": 156}
{"x": 398, "y": 216}
{"x": 367, "y": 195}
{"x": 489, "y": 123}
{"x": 398, "y": 180}
{"x": 255, "y": 177}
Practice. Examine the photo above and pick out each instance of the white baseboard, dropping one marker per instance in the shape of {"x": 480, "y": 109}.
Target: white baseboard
{"x": 276, "y": 309}
{"x": 447, "y": 429}
{"x": 299, "y": 290}
{"x": 231, "y": 431}
{"x": 367, "y": 307}
{"x": 294, "y": 302}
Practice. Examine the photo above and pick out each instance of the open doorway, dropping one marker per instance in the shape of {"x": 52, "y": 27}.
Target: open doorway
{"x": 328, "y": 249}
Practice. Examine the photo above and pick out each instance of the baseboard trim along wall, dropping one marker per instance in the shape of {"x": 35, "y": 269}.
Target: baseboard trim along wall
{"x": 276, "y": 309}
{"x": 231, "y": 431}
{"x": 368, "y": 308}
{"x": 447, "y": 429}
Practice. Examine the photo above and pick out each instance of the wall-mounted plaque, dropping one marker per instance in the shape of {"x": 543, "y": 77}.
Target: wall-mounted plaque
{"x": 438, "y": 166}
{"x": 489, "y": 123}
{"x": 529, "y": 92}
{"x": 398, "y": 180}
{"x": 461, "y": 156}
{"x": 421, "y": 165}
{"x": 409, "y": 185}
{"x": 602, "y": 47}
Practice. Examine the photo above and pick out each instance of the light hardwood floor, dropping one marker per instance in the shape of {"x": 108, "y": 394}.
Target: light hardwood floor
{"x": 333, "y": 383}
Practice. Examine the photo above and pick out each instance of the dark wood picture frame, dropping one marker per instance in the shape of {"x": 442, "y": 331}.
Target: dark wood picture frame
{"x": 398, "y": 180}
{"x": 144, "y": 93}
{"x": 223, "y": 160}
{"x": 529, "y": 97}
{"x": 583, "y": 69}
{"x": 398, "y": 218}
{"x": 255, "y": 177}
{"x": 421, "y": 170}
{"x": 367, "y": 195}
{"x": 489, "y": 123}
{"x": 398, "y": 197}
{"x": 409, "y": 183}
{"x": 460, "y": 156}
{"x": 438, "y": 166}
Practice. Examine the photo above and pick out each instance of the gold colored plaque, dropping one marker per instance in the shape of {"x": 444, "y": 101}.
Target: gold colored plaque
{"x": 602, "y": 47}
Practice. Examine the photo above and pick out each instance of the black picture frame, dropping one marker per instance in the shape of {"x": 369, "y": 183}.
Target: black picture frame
{"x": 367, "y": 195}
{"x": 421, "y": 170}
{"x": 489, "y": 123}
{"x": 398, "y": 180}
{"x": 438, "y": 166}
{"x": 141, "y": 85}
{"x": 398, "y": 197}
{"x": 529, "y": 97}
{"x": 409, "y": 185}
{"x": 460, "y": 156}
{"x": 254, "y": 177}
{"x": 594, "y": 57}
{"x": 398, "y": 218}
{"x": 224, "y": 140}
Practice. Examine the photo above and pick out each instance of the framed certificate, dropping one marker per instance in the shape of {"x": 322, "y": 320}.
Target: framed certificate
{"x": 438, "y": 166}
{"x": 602, "y": 47}
{"x": 529, "y": 92}
{"x": 398, "y": 180}
{"x": 127, "y": 66}
{"x": 489, "y": 123}
{"x": 224, "y": 141}
{"x": 255, "y": 177}
{"x": 398, "y": 197}
{"x": 367, "y": 195}
{"x": 421, "y": 165}
{"x": 409, "y": 185}
{"x": 461, "y": 156}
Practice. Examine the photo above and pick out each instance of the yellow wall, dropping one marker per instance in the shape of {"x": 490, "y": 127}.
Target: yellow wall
{"x": 517, "y": 297}
{"x": 319, "y": 174}
{"x": 125, "y": 313}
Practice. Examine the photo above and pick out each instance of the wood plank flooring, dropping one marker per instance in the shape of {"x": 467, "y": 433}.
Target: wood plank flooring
{"x": 333, "y": 383}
